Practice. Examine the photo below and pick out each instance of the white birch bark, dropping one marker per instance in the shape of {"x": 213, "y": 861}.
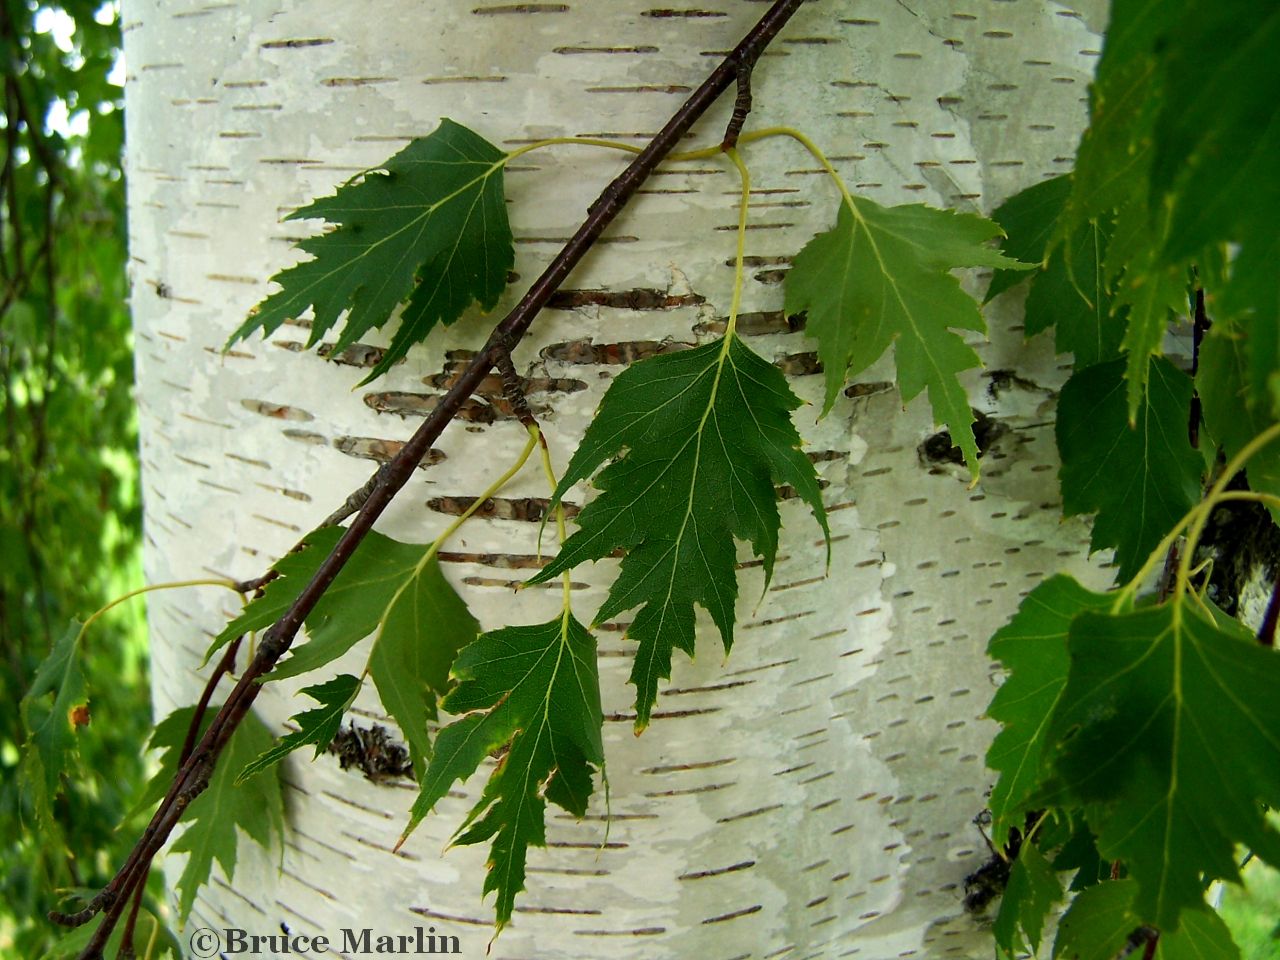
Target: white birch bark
{"x": 812, "y": 796}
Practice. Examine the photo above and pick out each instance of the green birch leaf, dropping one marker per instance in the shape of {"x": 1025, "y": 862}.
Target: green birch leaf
{"x": 295, "y": 569}
{"x": 316, "y": 728}
{"x": 1140, "y": 480}
{"x": 1232, "y": 416}
{"x": 1217, "y": 136}
{"x": 1029, "y": 220}
{"x": 696, "y": 444}
{"x": 1150, "y": 700}
{"x": 1072, "y": 296}
{"x": 1113, "y": 160}
{"x": 1253, "y": 297}
{"x": 167, "y": 737}
{"x": 1098, "y": 924}
{"x": 1152, "y": 295}
{"x": 1103, "y": 922}
{"x": 383, "y": 578}
{"x": 1080, "y": 853}
{"x": 432, "y": 219}
{"x": 882, "y": 277}
{"x": 1033, "y": 648}
{"x": 1032, "y": 891}
{"x": 151, "y": 939}
{"x": 389, "y": 589}
{"x": 53, "y": 710}
{"x": 424, "y": 626}
{"x": 226, "y": 808}
{"x": 1070, "y": 292}
{"x": 535, "y": 690}
{"x": 1201, "y": 936}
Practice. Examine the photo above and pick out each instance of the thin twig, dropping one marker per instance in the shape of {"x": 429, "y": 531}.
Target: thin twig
{"x": 224, "y": 668}
{"x": 193, "y": 775}
{"x": 131, "y": 922}
{"x": 356, "y": 501}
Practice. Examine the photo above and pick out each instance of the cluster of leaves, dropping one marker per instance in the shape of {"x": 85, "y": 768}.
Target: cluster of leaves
{"x": 1138, "y": 735}
{"x": 687, "y": 452}
{"x": 69, "y": 513}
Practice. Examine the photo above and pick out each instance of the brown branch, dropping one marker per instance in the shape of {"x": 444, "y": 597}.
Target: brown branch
{"x": 742, "y": 104}
{"x": 356, "y": 501}
{"x": 511, "y": 388}
{"x": 193, "y": 775}
{"x": 224, "y": 667}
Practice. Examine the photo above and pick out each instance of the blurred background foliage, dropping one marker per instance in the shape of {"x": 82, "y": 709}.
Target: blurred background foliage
{"x": 69, "y": 506}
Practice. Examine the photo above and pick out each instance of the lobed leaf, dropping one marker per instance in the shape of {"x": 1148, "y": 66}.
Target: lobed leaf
{"x": 389, "y": 589}
{"x": 226, "y": 807}
{"x": 52, "y": 749}
{"x": 1138, "y": 737}
{"x": 1029, "y": 220}
{"x": 1098, "y": 924}
{"x": 696, "y": 443}
{"x": 1232, "y": 414}
{"x": 1033, "y": 648}
{"x": 316, "y": 728}
{"x": 1152, "y": 295}
{"x": 1103, "y": 924}
{"x": 535, "y": 690}
{"x": 1032, "y": 891}
{"x": 1141, "y": 479}
{"x": 1218, "y": 135}
{"x": 882, "y": 278}
{"x": 432, "y": 219}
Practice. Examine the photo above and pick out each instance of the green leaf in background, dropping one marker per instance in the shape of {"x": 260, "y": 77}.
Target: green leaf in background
{"x": 1166, "y": 734}
{"x": 1032, "y": 891}
{"x": 167, "y": 738}
{"x": 1102, "y": 922}
{"x": 696, "y": 444}
{"x": 1033, "y": 648}
{"x": 52, "y": 748}
{"x": 390, "y": 589}
{"x": 535, "y": 689}
{"x": 1152, "y": 295}
{"x": 1072, "y": 296}
{"x": 1098, "y": 924}
{"x": 1029, "y": 220}
{"x": 1218, "y": 134}
{"x": 882, "y": 277}
{"x": 1232, "y": 416}
{"x": 224, "y": 808}
{"x": 1071, "y": 291}
{"x": 1202, "y": 936}
{"x": 1114, "y": 157}
{"x": 316, "y": 728}
{"x": 433, "y": 215}
{"x": 1140, "y": 480}
{"x": 1253, "y": 296}
{"x": 151, "y": 940}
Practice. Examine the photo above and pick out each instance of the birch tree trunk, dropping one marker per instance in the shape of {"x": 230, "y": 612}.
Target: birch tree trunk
{"x": 813, "y": 795}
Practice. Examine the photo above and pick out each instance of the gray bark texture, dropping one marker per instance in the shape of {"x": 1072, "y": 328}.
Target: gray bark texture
{"x": 813, "y": 794}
